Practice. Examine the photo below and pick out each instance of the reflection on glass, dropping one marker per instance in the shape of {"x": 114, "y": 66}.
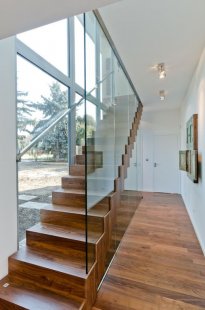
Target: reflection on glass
{"x": 106, "y": 56}
{"x": 40, "y": 100}
{"x": 50, "y": 42}
{"x": 108, "y": 150}
{"x": 39, "y": 173}
{"x": 91, "y": 55}
{"x": 79, "y": 50}
{"x": 79, "y": 124}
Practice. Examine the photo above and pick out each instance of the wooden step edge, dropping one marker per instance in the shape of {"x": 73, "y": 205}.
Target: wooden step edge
{"x": 74, "y": 211}
{"x": 38, "y": 276}
{"x": 15, "y": 297}
{"x": 37, "y": 259}
{"x": 74, "y": 182}
{"x": 62, "y": 232}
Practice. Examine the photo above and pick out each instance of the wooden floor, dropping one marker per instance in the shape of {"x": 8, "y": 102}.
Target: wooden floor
{"x": 159, "y": 264}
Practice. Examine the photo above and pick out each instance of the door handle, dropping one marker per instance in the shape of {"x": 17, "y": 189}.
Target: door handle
{"x": 155, "y": 165}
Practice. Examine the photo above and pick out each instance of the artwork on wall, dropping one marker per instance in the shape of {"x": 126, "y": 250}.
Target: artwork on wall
{"x": 188, "y": 160}
{"x": 183, "y": 160}
{"x": 192, "y": 165}
{"x": 192, "y": 133}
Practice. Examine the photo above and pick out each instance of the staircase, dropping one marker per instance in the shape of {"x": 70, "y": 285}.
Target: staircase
{"x": 49, "y": 272}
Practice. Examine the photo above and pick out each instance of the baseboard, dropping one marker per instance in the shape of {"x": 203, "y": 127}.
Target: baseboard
{"x": 3, "y": 267}
{"x": 195, "y": 229}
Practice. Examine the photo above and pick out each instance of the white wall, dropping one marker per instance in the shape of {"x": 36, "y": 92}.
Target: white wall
{"x": 194, "y": 194}
{"x": 163, "y": 122}
{"x": 8, "y": 193}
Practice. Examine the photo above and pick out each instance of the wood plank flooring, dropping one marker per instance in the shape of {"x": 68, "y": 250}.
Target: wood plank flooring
{"x": 159, "y": 264}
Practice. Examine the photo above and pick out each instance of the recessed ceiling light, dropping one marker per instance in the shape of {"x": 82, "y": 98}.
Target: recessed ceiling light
{"x": 162, "y": 95}
{"x": 161, "y": 71}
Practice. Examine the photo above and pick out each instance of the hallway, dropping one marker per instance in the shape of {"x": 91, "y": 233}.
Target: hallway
{"x": 159, "y": 264}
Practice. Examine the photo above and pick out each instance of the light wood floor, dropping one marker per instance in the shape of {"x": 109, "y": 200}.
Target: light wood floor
{"x": 159, "y": 264}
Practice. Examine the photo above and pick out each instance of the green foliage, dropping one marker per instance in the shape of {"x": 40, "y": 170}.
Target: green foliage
{"x": 55, "y": 142}
{"x": 80, "y": 129}
{"x": 24, "y": 119}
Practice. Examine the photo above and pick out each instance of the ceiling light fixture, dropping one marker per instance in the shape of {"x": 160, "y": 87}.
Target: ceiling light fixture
{"x": 162, "y": 95}
{"x": 161, "y": 70}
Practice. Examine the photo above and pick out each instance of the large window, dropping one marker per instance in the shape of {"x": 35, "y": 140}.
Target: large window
{"x": 50, "y": 42}
{"x": 40, "y": 100}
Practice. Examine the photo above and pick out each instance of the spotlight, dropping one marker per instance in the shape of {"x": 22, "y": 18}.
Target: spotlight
{"x": 162, "y": 95}
{"x": 161, "y": 71}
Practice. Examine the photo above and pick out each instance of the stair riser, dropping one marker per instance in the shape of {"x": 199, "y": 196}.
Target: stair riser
{"x": 130, "y": 143}
{"x": 125, "y": 160}
{"x": 28, "y": 276}
{"x": 68, "y": 199}
{"x": 48, "y": 242}
{"x": 80, "y": 159}
{"x": 73, "y": 183}
{"x": 71, "y": 220}
{"x": 93, "y": 159}
{"x": 77, "y": 170}
{"x": 122, "y": 172}
{"x": 37, "y": 277}
{"x": 128, "y": 150}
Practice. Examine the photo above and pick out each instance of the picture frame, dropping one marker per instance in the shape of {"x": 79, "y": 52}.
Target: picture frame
{"x": 192, "y": 133}
{"x": 183, "y": 160}
{"x": 192, "y": 165}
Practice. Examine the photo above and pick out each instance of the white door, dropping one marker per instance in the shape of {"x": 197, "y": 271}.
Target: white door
{"x": 131, "y": 180}
{"x": 134, "y": 173}
{"x": 147, "y": 154}
{"x": 165, "y": 164}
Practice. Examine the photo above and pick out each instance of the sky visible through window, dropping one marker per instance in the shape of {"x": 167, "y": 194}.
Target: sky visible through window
{"x": 51, "y": 43}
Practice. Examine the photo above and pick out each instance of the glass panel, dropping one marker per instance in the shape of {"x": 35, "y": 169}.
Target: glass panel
{"x": 39, "y": 173}
{"x": 40, "y": 100}
{"x": 79, "y": 50}
{"x": 107, "y": 152}
{"x": 91, "y": 52}
{"x": 79, "y": 125}
{"x": 106, "y": 70}
{"x": 50, "y": 42}
{"x": 121, "y": 113}
{"x": 100, "y": 147}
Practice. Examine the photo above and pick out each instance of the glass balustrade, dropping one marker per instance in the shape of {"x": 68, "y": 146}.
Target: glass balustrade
{"x": 89, "y": 122}
{"x": 110, "y": 205}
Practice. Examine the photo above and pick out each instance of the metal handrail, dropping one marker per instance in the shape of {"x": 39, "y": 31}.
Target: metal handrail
{"x": 66, "y": 112}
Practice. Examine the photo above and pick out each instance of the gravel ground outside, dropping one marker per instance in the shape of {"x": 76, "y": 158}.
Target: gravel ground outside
{"x": 36, "y": 181}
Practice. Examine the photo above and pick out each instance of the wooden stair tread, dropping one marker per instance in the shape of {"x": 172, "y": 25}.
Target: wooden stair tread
{"x": 77, "y": 192}
{"x": 12, "y": 296}
{"x": 99, "y": 211}
{"x": 74, "y": 177}
{"x": 65, "y": 232}
{"x": 71, "y": 191}
{"x": 51, "y": 261}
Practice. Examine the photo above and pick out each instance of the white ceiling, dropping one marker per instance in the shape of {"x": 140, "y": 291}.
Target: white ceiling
{"x": 20, "y": 15}
{"x": 147, "y": 32}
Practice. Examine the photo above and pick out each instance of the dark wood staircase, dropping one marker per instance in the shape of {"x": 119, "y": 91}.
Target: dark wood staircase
{"x": 49, "y": 272}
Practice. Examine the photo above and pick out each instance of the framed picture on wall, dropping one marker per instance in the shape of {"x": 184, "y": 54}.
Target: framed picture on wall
{"x": 183, "y": 160}
{"x": 192, "y": 165}
{"x": 192, "y": 133}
